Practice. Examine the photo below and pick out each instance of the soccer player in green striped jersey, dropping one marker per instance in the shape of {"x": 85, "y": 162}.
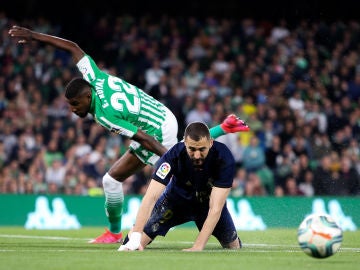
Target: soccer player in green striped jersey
{"x": 126, "y": 110}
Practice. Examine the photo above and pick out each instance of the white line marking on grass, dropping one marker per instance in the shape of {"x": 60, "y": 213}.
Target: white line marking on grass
{"x": 58, "y": 250}
{"x": 41, "y": 237}
{"x": 165, "y": 244}
{"x": 266, "y": 247}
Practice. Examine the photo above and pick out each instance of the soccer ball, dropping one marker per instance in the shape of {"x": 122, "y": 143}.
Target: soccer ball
{"x": 319, "y": 236}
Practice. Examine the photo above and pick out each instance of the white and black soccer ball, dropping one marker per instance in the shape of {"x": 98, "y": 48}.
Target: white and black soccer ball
{"x": 319, "y": 236}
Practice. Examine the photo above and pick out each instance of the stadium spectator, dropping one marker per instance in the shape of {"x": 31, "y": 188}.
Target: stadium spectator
{"x": 306, "y": 185}
{"x": 161, "y": 89}
{"x": 348, "y": 179}
{"x": 254, "y": 186}
{"x": 153, "y": 74}
{"x": 253, "y": 156}
{"x": 354, "y": 87}
{"x": 323, "y": 177}
{"x": 291, "y": 187}
{"x": 55, "y": 174}
{"x": 239, "y": 184}
{"x": 199, "y": 113}
{"x": 284, "y": 165}
{"x": 273, "y": 153}
{"x": 193, "y": 76}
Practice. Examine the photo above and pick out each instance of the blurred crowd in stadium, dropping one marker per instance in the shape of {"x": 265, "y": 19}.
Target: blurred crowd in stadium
{"x": 297, "y": 86}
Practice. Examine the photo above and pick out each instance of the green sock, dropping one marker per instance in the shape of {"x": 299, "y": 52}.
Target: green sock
{"x": 113, "y": 208}
{"x": 216, "y": 132}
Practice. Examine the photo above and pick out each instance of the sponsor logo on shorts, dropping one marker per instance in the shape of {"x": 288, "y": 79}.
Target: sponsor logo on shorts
{"x": 163, "y": 170}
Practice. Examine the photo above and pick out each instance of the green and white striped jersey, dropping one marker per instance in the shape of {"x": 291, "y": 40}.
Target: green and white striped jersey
{"x": 119, "y": 106}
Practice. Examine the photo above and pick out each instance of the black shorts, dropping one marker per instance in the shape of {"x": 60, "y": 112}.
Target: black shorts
{"x": 167, "y": 214}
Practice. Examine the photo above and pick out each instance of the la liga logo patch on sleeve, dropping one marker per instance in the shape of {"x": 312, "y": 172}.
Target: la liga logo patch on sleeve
{"x": 163, "y": 170}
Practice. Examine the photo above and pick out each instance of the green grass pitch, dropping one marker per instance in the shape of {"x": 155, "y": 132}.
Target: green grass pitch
{"x": 271, "y": 249}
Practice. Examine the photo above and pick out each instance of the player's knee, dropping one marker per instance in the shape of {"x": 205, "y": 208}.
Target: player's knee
{"x": 236, "y": 244}
{"x": 111, "y": 185}
{"x": 116, "y": 175}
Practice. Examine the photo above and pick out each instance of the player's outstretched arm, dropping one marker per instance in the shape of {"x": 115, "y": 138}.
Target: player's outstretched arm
{"x": 25, "y": 35}
{"x": 137, "y": 239}
{"x": 217, "y": 200}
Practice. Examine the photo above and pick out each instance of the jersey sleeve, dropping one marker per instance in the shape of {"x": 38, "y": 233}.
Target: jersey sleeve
{"x": 88, "y": 68}
{"x": 118, "y": 126}
{"x": 226, "y": 168}
{"x": 165, "y": 168}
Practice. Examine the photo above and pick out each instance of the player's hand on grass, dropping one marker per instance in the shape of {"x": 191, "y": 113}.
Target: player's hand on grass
{"x": 192, "y": 249}
{"x": 133, "y": 243}
{"x": 125, "y": 248}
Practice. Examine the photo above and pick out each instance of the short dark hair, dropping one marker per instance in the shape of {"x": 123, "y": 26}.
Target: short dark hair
{"x": 76, "y": 87}
{"x": 196, "y": 131}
